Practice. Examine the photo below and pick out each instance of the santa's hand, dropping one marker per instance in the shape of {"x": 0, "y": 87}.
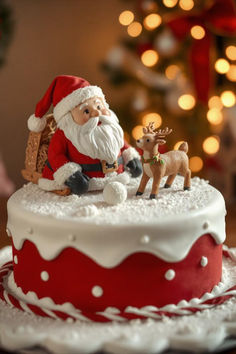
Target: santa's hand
{"x": 78, "y": 183}
{"x": 135, "y": 167}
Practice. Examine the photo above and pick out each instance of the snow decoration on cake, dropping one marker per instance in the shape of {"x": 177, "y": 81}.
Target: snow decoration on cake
{"x": 97, "y": 291}
{"x": 87, "y": 211}
{"x": 170, "y": 274}
{"x": 44, "y": 276}
{"x": 145, "y": 239}
{"x": 114, "y": 193}
{"x": 15, "y": 259}
{"x": 204, "y": 261}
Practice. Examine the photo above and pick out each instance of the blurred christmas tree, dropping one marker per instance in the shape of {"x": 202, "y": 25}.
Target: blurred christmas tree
{"x": 179, "y": 56}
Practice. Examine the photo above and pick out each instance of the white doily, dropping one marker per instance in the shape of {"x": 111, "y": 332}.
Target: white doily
{"x": 208, "y": 330}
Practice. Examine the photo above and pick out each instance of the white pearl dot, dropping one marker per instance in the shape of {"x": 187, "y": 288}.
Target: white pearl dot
{"x": 71, "y": 237}
{"x": 145, "y": 239}
{"x": 15, "y": 259}
{"x": 30, "y": 230}
{"x": 8, "y": 232}
{"x": 170, "y": 274}
{"x": 205, "y": 225}
{"x": 69, "y": 320}
{"x": 44, "y": 276}
{"x": 204, "y": 261}
{"x": 97, "y": 291}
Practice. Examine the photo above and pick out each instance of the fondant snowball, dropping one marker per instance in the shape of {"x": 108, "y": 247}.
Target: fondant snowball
{"x": 114, "y": 193}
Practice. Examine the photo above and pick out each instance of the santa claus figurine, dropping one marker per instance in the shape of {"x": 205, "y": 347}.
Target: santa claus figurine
{"x": 87, "y": 150}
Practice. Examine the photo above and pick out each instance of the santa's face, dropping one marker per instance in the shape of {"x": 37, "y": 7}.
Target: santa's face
{"x": 91, "y": 108}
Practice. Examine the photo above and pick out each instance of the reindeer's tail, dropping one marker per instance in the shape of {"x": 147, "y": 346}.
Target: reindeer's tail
{"x": 184, "y": 147}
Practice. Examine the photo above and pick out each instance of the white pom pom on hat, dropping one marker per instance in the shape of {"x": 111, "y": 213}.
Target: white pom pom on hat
{"x": 65, "y": 93}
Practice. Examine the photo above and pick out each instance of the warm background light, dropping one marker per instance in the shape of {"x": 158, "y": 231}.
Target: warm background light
{"x": 186, "y": 5}
{"x": 149, "y": 57}
{"x": 215, "y": 102}
{"x": 214, "y": 116}
{"x": 170, "y": 3}
{"x": 222, "y": 66}
{"x": 197, "y": 32}
{"x": 134, "y": 29}
{"x": 137, "y": 132}
{"x": 195, "y": 163}
{"x": 171, "y": 71}
{"x": 228, "y": 98}
{"x": 152, "y": 21}
{"x": 231, "y": 74}
{"x": 152, "y": 117}
{"x": 177, "y": 145}
{"x": 231, "y": 52}
{"x": 211, "y": 145}
{"x": 186, "y": 102}
{"x": 126, "y": 17}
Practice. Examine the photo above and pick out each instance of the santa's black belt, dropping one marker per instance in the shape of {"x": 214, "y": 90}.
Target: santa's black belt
{"x": 94, "y": 167}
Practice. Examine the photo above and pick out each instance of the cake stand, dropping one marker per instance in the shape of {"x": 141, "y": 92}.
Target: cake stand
{"x": 212, "y": 329}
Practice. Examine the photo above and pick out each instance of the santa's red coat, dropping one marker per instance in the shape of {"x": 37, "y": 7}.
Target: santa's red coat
{"x": 61, "y": 151}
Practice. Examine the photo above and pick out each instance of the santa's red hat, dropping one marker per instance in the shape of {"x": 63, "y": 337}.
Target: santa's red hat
{"x": 65, "y": 93}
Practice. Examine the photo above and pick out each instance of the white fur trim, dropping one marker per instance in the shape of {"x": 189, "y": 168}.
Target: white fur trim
{"x": 97, "y": 184}
{"x": 36, "y": 124}
{"x": 75, "y": 98}
{"x": 129, "y": 154}
{"x": 65, "y": 171}
{"x": 49, "y": 185}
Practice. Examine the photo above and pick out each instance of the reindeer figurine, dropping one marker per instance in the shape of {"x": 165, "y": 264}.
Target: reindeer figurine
{"x": 156, "y": 165}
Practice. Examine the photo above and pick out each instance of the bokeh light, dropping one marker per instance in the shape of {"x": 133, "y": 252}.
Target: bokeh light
{"x": 177, "y": 145}
{"x": 170, "y": 3}
{"x": 186, "y": 102}
{"x": 149, "y": 57}
{"x": 152, "y": 21}
{"x": 152, "y": 117}
{"x": 215, "y": 102}
{"x": 171, "y": 71}
{"x": 197, "y": 32}
{"x": 186, "y": 5}
{"x": 137, "y": 132}
{"x": 222, "y": 66}
{"x": 227, "y": 98}
{"x": 231, "y": 74}
{"x": 214, "y": 116}
{"x": 195, "y": 163}
{"x": 126, "y": 17}
{"x": 231, "y": 52}
{"x": 211, "y": 145}
{"x": 134, "y": 29}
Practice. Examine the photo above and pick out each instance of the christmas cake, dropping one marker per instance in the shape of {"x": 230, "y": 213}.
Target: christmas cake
{"x": 91, "y": 240}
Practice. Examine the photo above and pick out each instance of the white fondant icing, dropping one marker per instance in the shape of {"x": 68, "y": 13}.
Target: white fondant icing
{"x": 145, "y": 239}
{"x": 204, "y": 261}
{"x": 170, "y": 274}
{"x": 15, "y": 259}
{"x": 97, "y": 291}
{"x": 108, "y": 237}
{"x": 44, "y": 275}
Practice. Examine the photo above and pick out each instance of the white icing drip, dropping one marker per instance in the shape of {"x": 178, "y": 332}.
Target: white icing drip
{"x": 173, "y": 222}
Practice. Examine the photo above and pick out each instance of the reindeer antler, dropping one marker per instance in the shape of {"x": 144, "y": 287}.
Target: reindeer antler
{"x": 161, "y": 133}
{"x": 149, "y": 128}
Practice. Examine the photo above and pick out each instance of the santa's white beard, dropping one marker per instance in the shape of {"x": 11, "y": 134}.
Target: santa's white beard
{"x": 101, "y": 142}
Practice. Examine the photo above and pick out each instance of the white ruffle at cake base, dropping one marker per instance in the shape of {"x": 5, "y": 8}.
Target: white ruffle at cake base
{"x": 208, "y": 330}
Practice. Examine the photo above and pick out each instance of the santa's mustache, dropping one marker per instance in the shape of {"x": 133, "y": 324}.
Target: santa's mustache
{"x": 93, "y": 123}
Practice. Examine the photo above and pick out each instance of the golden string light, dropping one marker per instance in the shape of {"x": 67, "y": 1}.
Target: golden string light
{"x": 222, "y": 66}
{"x": 197, "y": 32}
{"x": 195, "y": 163}
{"x": 152, "y": 21}
{"x": 231, "y": 74}
{"x": 134, "y": 29}
{"x": 214, "y": 116}
{"x": 186, "y": 5}
{"x": 186, "y": 102}
{"x": 228, "y": 98}
{"x": 211, "y": 145}
{"x": 126, "y": 18}
{"x": 171, "y": 71}
{"x": 152, "y": 117}
{"x": 149, "y": 57}
{"x": 231, "y": 52}
{"x": 215, "y": 102}
{"x": 170, "y": 3}
{"x": 137, "y": 132}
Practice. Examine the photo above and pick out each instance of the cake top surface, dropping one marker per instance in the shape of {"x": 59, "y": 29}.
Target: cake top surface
{"x": 91, "y": 208}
